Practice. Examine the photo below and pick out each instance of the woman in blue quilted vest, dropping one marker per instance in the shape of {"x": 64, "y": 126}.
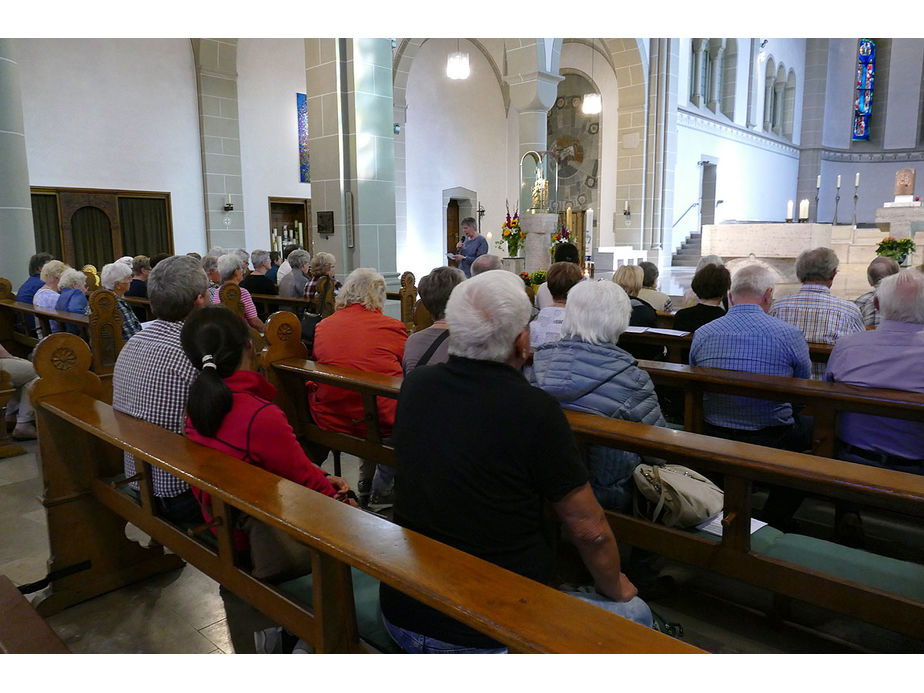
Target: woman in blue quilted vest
{"x": 586, "y": 371}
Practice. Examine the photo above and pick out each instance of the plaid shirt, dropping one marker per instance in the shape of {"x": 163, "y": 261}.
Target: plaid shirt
{"x": 747, "y": 339}
{"x": 821, "y": 317}
{"x": 867, "y": 309}
{"x": 151, "y": 382}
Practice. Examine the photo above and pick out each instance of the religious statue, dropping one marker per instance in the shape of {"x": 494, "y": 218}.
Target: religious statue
{"x": 540, "y": 194}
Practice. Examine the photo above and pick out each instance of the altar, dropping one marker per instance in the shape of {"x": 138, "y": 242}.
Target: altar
{"x": 777, "y": 245}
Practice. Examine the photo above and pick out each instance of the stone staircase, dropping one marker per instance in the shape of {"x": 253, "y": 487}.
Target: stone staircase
{"x": 690, "y": 251}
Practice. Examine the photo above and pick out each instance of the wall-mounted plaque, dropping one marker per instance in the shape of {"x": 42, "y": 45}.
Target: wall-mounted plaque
{"x": 325, "y": 223}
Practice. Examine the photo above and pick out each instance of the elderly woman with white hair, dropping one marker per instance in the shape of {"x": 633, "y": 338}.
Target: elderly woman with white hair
{"x": 479, "y": 452}
{"x": 231, "y": 271}
{"x": 73, "y": 295}
{"x": 359, "y": 335}
{"x": 116, "y": 277}
{"x": 586, "y": 371}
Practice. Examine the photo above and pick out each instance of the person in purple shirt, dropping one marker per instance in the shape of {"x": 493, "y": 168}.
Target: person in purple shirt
{"x": 471, "y": 248}
{"x": 27, "y": 291}
{"x": 890, "y": 357}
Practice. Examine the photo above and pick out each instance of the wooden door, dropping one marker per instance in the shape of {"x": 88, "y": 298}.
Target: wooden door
{"x": 452, "y": 229}
{"x": 71, "y": 203}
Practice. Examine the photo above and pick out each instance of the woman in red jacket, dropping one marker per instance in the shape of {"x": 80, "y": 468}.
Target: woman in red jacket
{"x": 359, "y": 336}
{"x": 231, "y": 409}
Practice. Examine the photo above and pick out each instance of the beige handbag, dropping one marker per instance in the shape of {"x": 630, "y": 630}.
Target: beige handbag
{"x": 680, "y": 497}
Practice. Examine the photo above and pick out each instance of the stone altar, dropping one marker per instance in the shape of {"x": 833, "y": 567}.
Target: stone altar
{"x": 538, "y": 229}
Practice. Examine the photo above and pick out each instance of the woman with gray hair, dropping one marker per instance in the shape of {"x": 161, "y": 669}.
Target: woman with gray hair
{"x": 116, "y": 277}
{"x": 479, "y": 453}
{"x": 586, "y": 371}
{"x": 231, "y": 272}
{"x": 293, "y": 284}
{"x": 73, "y": 298}
{"x": 359, "y": 335}
{"x": 141, "y": 270}
{"x": 430, "y": 345}
{"x": 321, "y": 289}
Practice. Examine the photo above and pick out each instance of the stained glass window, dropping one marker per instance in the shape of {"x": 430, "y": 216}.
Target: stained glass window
{"x": 863, "y": 101}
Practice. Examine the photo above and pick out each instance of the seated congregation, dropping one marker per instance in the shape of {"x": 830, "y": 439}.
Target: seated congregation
{"x": 481, "y": 440}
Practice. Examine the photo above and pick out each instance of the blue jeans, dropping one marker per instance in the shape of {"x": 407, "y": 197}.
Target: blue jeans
{"x": 415, "y": 643}
{"x": 634, "y": 610}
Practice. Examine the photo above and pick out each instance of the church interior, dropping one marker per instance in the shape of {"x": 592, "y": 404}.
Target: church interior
{"x": 659, "y": 150}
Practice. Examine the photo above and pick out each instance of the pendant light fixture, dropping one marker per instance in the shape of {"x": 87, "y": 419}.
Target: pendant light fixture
{"x": 457, "y": 65}
{"x": 593, "y": 104}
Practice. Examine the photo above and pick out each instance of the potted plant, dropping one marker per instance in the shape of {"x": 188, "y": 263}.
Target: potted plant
{"x": 896, "y": 248}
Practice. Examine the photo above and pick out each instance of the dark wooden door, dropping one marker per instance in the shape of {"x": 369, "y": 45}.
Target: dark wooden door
{"x": 71, "y": 203}
{"x": 452, "y": 229}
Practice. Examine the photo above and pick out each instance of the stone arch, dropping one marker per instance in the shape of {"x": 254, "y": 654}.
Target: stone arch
{"x": 769, "y": 80}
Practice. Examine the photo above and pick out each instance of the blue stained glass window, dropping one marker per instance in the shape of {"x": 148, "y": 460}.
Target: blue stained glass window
{"x": 863, "y": 101}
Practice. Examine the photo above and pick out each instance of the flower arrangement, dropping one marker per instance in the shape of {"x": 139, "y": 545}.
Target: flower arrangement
{"x": 895, "y": 248}
{"x": 537, "y": 277}
{"x": 563, "y": 235}
{"x": 525, "y": 277}
{"x": 511, "y": 234}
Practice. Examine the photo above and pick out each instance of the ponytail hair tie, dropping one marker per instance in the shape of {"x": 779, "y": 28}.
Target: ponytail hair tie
{"x": 207, "y": 362}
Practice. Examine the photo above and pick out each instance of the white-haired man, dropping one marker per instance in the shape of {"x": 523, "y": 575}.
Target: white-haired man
{"x": 748, "y": 339}
{"x": 479, "y": 484}
{"x": 890, "y": 357}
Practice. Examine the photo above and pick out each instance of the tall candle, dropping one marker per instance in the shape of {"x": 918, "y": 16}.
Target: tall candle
{"x": 818, "y": 181}
{"x": 856, "y": 183}
{"x": 568, "y": 218}
{"x": 838, "y": 181}
{"x": 625, "y": 207}
{"x": 803, "y": 209}
{"x": 789, "y": 210}
{"x": 229, "y": 198}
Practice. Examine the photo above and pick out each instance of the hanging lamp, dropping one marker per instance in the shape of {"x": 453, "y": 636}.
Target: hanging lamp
{"x": 457, "y": 65}
{"x": 592, "y": 104}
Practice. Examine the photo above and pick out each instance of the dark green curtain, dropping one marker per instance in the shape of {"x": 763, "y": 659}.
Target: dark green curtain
{"x": 92, "y": 238}
{"x": 143, "y": 221}
{"x": 45, "y": 224}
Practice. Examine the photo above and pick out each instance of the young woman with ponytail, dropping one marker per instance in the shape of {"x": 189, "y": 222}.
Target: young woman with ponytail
{"x": 231, "y": 409}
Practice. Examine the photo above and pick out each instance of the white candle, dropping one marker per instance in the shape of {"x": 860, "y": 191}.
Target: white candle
{"x": 625, "y": 207}
{"x": 229, "y": 198}
{"x": 838, "y": 181}
{"x": 856, "y": 183}
{"x": 789, "y": 210}
{"x": 818, "y": 181}
{"x": 803, "y": 209}
{"x": 568, "y": 218}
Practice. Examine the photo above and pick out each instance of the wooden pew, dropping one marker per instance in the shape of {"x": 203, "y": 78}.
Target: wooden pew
{"x": 823, "y": 400}
{"x": 406, "y": 296}
{"x": 679, "y": 345}
{"x": 8, "y": 447}
{"x": 137, "y": 301}
{"x": 22, "y": 630}
{"x": 742, "y": 465}
{"x": 82, "y": 440}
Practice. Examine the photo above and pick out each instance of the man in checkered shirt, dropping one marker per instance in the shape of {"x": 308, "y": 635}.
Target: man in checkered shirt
{"x": 821, "y": 317}
{"x": 747, "y": 339}
{"x": 152, "y": 374}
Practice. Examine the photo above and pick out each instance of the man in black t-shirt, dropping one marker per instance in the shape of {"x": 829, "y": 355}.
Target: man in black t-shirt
{"x": 478, "y": 452}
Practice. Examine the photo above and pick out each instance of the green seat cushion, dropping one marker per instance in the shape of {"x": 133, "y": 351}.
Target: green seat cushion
{"x": 368, "y": 613}
{"x": 888, "y": 574}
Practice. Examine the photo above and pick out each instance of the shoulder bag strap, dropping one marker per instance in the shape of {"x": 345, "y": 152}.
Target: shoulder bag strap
{"x": 428, "y": 354}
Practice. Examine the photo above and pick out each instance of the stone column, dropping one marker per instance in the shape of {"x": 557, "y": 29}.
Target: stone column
{"x": 714, "y": 93}
{"x": 661, "y": 148}
{"x": 351, "y": 131}
{"x": 220, "y": 140}
{"x": 538, "y": 229}
{"x": 768, "y": 103}
{"x": 17, "y": 236}
{"x": 699, "y": 47}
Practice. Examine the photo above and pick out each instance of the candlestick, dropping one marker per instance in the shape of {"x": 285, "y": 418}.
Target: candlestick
{"x": 856, "y": 196}
{"x": 837, "y": 199}
{"x": 816, "y": 204}
{"x": 789, "y": 211}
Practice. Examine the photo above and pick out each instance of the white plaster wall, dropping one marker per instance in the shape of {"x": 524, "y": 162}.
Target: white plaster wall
{"x": 270, "y": 72}
{"x": 576, "y": 56}
{"x": 456, "y": 137}
{"x": 754, "y": 183}
{"x": 116, "y": 114}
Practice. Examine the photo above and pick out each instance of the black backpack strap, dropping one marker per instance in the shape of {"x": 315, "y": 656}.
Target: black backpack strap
{"x": 428, "y": 354}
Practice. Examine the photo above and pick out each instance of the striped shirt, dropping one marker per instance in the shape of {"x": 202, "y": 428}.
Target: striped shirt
{"x": 250, "y": 310}
{"x": 867, "y": 308}
{"x": 747, "y": 339}
{"x": 151, "y": 382}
